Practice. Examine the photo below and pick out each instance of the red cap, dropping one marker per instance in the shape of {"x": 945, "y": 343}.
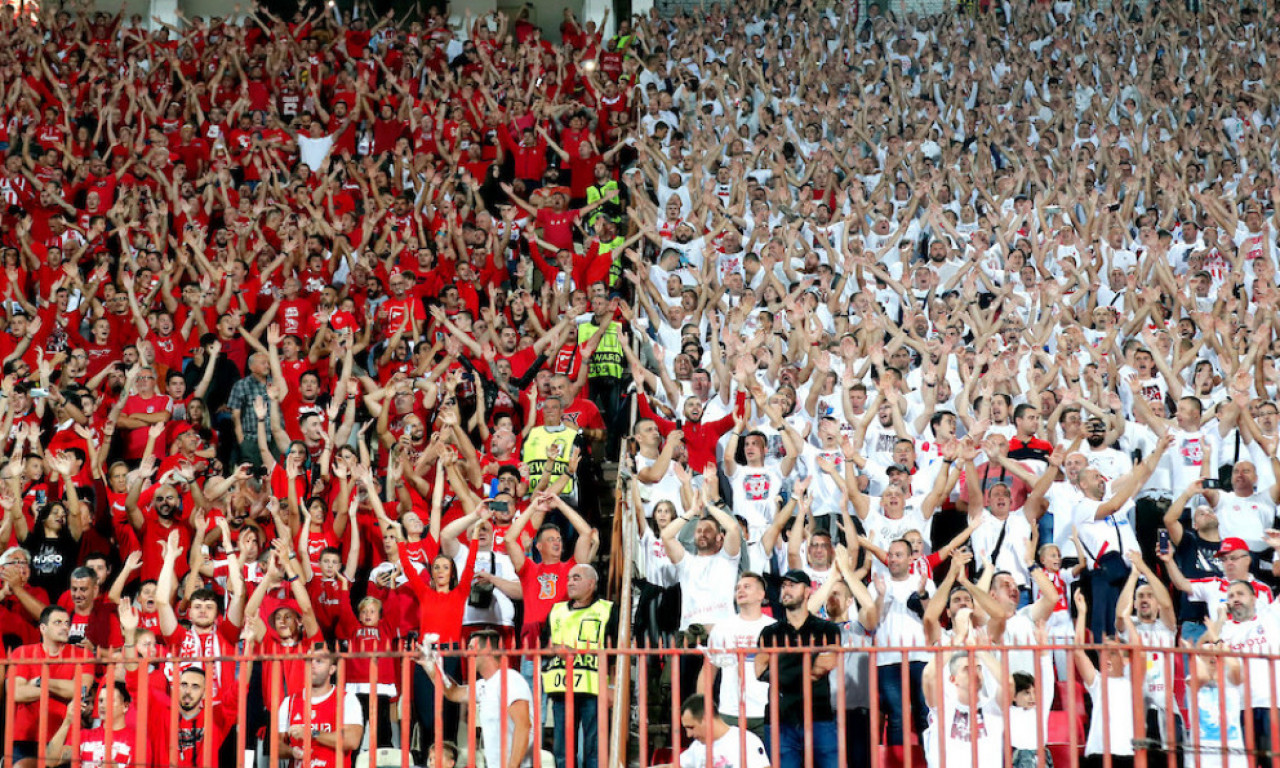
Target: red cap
{"x": 183, "y": 428}
{"x": 343, "y": 321}
{"x": 1232, "y": 544}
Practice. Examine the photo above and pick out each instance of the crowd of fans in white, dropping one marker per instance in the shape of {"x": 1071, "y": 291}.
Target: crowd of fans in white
{"x": 965, "y": 324}
{"x": 950, "y": 332}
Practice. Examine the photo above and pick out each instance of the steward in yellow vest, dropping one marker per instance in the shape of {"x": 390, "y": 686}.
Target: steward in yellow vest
{"x": 579, "y": 627}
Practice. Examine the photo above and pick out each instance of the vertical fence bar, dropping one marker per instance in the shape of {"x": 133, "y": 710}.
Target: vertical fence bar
{"x": 808, "y": 723}
{"x": 338, "y": 721}
{"x": 1138, "y": 661}
{"x": 42, "y": 720}
{"x": 1073, "y": 740}
{"x": 775, "y": 731}
{"x": 538, "y": 714}
{"x": 108, "y": 719}
{"x": 873, "y": 686}
{"x": 570, "y": 735}
{"x": 242, "y": 706}
{"x": 642, "y": 704}
{"x": 602, "y": 707}
{"x": 10, "y": 706}
{"x": 406, "y": 700}
{"x": 206, "y": 743}
{"x": 140, "y": 744}
{"x": 373, "y": 703}
{"x": 303, "y": 697}
{"x": 470, "y": 660}
{"x": 273, "y": 715}
{"x": 908, "y": 715}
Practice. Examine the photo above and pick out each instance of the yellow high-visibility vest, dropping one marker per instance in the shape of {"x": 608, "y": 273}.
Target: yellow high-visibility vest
{"x": 582, "y": 629}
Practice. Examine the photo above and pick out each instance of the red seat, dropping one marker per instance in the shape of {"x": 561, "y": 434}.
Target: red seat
{"x": 1061, "y": 754}
{"x": 1059, "y": 730}
{"x": 1063, "y": 689}
{"x": 662, "y": 756}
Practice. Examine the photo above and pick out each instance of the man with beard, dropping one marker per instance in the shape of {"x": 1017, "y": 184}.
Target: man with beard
{"x": 209, "y": 635}
{"x": 1111, "y": 462}
{"x": 1248, "y": 631}
{"x": 156, "y": 525}
{"x": 201, "y": 733}
{"x": 1233, "y": 555}
{"x": 800, "y": 628}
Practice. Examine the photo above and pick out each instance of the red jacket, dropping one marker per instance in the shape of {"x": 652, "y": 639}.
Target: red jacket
{"x": 699, "y": 437}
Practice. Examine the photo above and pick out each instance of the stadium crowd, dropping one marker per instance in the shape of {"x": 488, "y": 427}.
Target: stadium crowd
{"x": 953, "y": 331}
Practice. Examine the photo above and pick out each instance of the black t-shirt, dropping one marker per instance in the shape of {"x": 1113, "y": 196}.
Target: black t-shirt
{"x": 1197, "y": 559}
{"x": 791, "y": 677}
{"x": 52, "y": 560}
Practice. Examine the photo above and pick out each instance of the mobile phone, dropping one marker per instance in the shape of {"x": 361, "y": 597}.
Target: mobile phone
{"x": 1211, "y": 484}
{"x": 1164, "y": 540}
{"x": 498, "y": 506}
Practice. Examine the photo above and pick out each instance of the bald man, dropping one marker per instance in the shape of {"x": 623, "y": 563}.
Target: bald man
{"x": 579, "y": 625}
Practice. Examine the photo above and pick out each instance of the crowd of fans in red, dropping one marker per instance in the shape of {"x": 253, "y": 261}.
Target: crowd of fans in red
{"x": 277, "y": 334}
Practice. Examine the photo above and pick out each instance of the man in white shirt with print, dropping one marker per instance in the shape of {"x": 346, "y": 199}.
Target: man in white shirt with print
{"x": 741, "y": 632}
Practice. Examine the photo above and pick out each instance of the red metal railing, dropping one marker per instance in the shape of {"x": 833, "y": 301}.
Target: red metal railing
{"x": 1192, "y": 730}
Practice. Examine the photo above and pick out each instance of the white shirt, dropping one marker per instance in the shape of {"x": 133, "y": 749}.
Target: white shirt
{"x": 501, "y": 610}
{"x": 728, "y": 635}
{"x": 727, "y": 752}
{"x": 1013, "y": 546}
{"x": 490, "y": 712}
{"x": 1246, "y": 517}
{"x": 755, "y": 496}
{"x": 1112, "y": 713}
{"x": 1260, "y": 635}
{"x": 1061, "y": 499}
{"x": 900, "y": 626}
{"x": 1106, "y": 535}
{"x": 954, "y": 727}
{"x": 706, "y": 588}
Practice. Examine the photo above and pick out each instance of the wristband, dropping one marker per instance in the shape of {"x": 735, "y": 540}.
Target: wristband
{"x": 291, "y": 579}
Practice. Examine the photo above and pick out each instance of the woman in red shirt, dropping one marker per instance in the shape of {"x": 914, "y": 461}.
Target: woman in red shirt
{"x": 442, "y": 602}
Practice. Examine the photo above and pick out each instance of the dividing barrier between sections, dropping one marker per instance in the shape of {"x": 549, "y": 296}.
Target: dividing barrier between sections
{"x": 1198, "y": 708}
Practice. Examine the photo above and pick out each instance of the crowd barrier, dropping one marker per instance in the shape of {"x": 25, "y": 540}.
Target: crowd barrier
{"x": 626, "y": 677}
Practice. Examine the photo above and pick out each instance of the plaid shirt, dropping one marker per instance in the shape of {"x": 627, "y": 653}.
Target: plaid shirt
{"x": 243, "y": 395}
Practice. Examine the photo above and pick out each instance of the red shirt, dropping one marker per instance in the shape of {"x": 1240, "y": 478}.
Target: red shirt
{"x": 27, "y": 665}
{"x": 124, "y": 741}
{"x": 557, "y": 226}
{"x": 221, "y": 641}
{"x": 329, "y": 712}
{"x": 543, "y": 586}
{"x": 137, "y": 441}
{"x": 441, "y": 612}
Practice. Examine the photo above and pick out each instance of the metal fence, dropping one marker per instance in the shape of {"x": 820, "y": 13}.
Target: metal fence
{"x": 1188, "y": 706}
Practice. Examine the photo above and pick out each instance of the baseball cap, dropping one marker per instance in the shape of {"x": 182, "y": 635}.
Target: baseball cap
{"x": 897, "y": 468}
{"x": 799, "y": 577}
{"x": 183, "y": 428}
{"x": 1232, "y": 544}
